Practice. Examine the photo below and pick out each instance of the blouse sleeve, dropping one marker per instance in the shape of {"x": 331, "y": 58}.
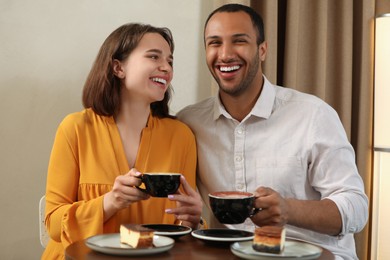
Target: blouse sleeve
{"x": 190, "y": 162}
{"x": 68, "y": 219}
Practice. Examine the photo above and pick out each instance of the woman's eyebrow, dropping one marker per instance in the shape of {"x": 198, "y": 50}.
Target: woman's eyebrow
{"x": 159, "y": 52}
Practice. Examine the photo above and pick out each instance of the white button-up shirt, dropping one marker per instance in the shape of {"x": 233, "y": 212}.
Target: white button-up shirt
{"x": 291, "y": 142}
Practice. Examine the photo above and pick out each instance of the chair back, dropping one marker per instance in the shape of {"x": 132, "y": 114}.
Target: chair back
{"x": 43, "y": 235}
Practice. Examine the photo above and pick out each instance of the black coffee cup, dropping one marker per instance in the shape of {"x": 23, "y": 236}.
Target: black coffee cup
{"x": 232, "y": 207}
{"x": 160, "y": 184}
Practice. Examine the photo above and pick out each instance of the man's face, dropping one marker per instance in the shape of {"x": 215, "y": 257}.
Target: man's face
{"x": 232, "y": 53}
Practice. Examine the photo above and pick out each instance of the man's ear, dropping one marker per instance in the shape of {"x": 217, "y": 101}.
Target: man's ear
{"x": 118, "y": 69}
{"x": 263, "y": 50}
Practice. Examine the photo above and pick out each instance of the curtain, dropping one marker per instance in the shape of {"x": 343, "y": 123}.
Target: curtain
{"x": 325, "y": 48}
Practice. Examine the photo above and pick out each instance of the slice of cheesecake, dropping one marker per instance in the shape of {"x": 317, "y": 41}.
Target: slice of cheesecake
{"x": 136, "y": 236}
{"x": 269, "y": 239}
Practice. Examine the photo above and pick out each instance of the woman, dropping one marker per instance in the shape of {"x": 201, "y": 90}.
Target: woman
{"x": 125, "y": 129}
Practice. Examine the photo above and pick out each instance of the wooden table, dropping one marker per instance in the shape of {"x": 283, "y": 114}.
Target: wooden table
{"x": 186, "y": 247}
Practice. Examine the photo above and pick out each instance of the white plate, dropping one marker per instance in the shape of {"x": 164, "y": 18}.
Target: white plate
{"x": 292, "y": 250}
{"x": 110, "y": 244}
{"x": 223, "y": 235}
{"x": 169, "y": 230}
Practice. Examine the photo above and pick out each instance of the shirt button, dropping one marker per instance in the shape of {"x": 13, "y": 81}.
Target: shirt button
{"x": 240, "y": 131}
{"x": 238, "y": 158}
{"x": 239, "y": 186}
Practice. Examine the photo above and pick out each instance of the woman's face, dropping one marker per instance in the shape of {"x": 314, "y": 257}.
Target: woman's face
{"x": 148, "y": 71}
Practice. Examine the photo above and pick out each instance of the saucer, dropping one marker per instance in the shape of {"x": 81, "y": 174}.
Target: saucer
{"x": 223, "y": 235}
{"x": 292, "y": 250}
{"x": 169, "y": 230}
{"x": 110, "y": 244}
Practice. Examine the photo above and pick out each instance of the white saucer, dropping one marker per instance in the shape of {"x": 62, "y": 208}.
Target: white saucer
{"x": 292, "y": 250}
{"x": 110, "y": 244}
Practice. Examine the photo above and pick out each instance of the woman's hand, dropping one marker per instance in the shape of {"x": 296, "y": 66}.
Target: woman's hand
{"x": 123, "y": 193}
{"x": 189, "y": 205}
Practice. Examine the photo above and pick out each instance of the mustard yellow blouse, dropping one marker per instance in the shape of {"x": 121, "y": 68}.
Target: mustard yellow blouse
{"x": 86, "y": 158}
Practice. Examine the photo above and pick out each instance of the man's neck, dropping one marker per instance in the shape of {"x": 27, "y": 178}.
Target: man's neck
{"x": 240, "y": 106}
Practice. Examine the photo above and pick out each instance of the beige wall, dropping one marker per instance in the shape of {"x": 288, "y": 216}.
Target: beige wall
{"x": 46, "y": 50}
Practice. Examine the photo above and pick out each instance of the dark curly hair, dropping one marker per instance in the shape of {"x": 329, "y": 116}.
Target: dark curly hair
{"x": 257, "y": 21}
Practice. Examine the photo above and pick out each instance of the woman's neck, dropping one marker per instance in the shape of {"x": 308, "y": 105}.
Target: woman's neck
{"x": 131, "y": 120}
{"x": 133, "y": 115}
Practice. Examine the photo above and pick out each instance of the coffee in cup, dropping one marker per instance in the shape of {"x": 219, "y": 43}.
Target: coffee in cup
{"x": 160, "y": 184}
{"x": 232, "y": 207}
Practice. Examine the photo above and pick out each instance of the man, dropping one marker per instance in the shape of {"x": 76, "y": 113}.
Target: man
{"x": 287, "y": 147}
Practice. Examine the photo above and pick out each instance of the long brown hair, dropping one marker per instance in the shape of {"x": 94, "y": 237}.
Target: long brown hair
{"x": 102, "y": 89}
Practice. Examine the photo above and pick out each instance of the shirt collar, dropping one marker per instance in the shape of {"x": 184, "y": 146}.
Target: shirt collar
{"x": 219, "y": 109}
{"x": 263, "y": 106}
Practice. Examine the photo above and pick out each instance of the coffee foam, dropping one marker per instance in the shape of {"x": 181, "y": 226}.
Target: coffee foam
{"x": 231, "y": 195}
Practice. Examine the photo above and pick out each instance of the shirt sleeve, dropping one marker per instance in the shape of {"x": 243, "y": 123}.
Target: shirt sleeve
{"x": 333, "y": 170}
{"x": 67, "y": 219}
